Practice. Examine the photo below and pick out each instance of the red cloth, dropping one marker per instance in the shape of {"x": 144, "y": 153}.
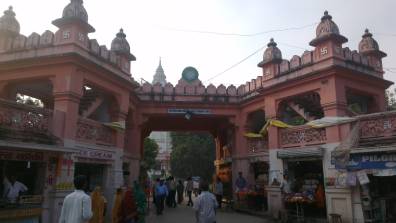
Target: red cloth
{"x": 128, "y": 208}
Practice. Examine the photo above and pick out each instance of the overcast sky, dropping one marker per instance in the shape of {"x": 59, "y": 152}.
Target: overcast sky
{"x": 158, "y": 28}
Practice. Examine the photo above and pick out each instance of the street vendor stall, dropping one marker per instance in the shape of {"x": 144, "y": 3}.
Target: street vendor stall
{"x": 306, "y": 198}
{"x": 21, "y": 198}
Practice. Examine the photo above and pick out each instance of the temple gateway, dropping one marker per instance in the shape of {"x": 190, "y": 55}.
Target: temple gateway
{"x": 311, "y": 120}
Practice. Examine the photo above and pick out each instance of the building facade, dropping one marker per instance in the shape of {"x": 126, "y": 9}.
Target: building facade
{"x": 262, "y": 129}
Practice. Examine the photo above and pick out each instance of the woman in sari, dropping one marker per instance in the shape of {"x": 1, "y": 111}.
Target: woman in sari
{"x": 140, "y": 201}
{"x": 116, "y": 207}
{"x": 128, "y": 211}
{"x": 98, "y": 206}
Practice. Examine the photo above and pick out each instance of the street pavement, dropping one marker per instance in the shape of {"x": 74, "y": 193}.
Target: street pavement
{"x": 184, "y": 214}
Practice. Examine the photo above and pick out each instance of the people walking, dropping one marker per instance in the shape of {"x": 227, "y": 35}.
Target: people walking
{"x": 115, "y": 218}
{"x": 180, "y": 191}
{"x": 161, "y": 192}
{"x": 240, "y": 183}
{"x": 128, "y": 211}
{"x": 141, "y": 201}
{"x": 205, "y": 205}
{"x": 77, "y": 205}
{"x": 98, "y": 206}
{"x": 218, "y": 191}
{"x": 172, "y": 192}
{"x": 153, "y": 189}
{"x": 168, "y": 197}
{"x": 189, "y": 190}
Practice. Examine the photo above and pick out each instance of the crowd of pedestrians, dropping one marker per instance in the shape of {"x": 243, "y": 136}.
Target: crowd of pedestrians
{"x": 206, "y": 203}
{"x": 130, "y": 203}
{"x": 78, "y": 207}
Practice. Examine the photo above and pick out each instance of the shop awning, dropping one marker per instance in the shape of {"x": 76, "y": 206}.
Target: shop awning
{"x": 312, "y": 152}
{"x": 36, "y": 147}
{"x": 373, "y": 150}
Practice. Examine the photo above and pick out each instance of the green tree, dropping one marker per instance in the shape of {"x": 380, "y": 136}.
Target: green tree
{"x": 150, "y": 153}
{"x": 192, "y": 155}
{"x": 390, "y": 98}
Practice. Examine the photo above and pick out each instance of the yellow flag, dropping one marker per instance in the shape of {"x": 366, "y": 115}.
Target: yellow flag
{"x": 253, "y": 135}
{"x": 116, "y": 125}
{"x": 279, "y": 124}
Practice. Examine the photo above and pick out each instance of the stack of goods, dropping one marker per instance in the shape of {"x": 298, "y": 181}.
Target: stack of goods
{"x": 306, "y": 197}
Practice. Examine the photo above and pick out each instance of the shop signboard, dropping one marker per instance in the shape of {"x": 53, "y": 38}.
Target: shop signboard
{"x": 361, "y": 161}
{"x": 95, "y": 154}
{"x": 21, "y": 155}
{"x": 191, "y": 110}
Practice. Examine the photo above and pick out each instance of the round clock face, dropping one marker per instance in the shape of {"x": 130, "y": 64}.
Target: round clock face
{"x": 190, "y": 74}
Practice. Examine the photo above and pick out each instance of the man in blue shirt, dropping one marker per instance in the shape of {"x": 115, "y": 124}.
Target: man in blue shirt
{"x": 161, "y": 192}
{"x": 240, "y": 183}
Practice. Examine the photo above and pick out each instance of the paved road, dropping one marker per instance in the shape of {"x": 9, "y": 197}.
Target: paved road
{"x": 184, "y": 214}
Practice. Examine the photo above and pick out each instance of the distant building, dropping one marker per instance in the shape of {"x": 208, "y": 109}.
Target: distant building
{"x": 163, "y": 139}
{"x": 159, "y": 76}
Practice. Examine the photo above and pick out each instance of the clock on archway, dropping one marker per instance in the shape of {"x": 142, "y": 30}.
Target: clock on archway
{"x": 190, "y": 74}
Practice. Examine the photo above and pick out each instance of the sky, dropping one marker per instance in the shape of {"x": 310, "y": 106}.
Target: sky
{"x": 196, "y": 33}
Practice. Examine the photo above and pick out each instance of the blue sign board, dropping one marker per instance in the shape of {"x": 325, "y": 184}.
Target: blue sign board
{"x": 372, "y": 161}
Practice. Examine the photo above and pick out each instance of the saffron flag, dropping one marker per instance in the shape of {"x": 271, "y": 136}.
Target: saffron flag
{"x": 116, "y": 125}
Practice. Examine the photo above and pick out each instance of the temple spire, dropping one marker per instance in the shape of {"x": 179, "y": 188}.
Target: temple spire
{"x": 159, "y": 76}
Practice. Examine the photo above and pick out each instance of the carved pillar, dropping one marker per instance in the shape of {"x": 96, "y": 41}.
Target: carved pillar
{"x": 67, "y": 90}
{"x": 334, "y": 103}
{"x": 270, "y": 109}
{"x": 120, "y": 135}
{"x": 120, "y": 113}
{"x": 135, "y": 143}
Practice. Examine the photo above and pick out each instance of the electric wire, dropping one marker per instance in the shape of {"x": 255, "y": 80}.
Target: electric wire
{"x": 236, "y": 64}
{"x": 238, "y": 34}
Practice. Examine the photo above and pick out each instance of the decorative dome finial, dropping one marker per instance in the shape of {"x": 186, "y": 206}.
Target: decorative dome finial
{"x": 367, "y": 33}
{"x": 272, "y": 43}
{"x": 271, "y": 54}
{"x": 75, "y": 9}
{"x": 369, "y": 45}
{"x": 121, "y": 46}
{"x": 121, "y": 34}
{"x": 74, "y": 12}
{"x": 8, "y": 22}
{"x": 327, "y": 29}
{"x": 326, "y": 15}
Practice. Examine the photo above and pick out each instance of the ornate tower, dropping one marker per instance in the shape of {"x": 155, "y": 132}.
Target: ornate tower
{"x": 271, "y": 60}
{"x": 9, "y": 29}
{"x": 328, "y": 41}
{"x": 159, "y": 76}
{"x": 121, "y": 48}
{"x": 73, "y": 26}
{"x": 369, "y": 47}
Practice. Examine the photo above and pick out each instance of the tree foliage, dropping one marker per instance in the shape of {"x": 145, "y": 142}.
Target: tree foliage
{"x": 390, "y": 98}
{"x": 27, "y": 100}
{"x": 192, "y": 155}
{"x": 150, "y": 153}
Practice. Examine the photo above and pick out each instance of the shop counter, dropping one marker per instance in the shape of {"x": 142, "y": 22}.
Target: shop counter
{"x": 22, "y": 214}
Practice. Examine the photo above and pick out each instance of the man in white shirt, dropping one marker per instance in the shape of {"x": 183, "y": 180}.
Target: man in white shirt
{"x": 285, "y": 185}
{"x": 205, "y": 206}
{"x": 77, "y": 205}
{"x": 12, "y": 189}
